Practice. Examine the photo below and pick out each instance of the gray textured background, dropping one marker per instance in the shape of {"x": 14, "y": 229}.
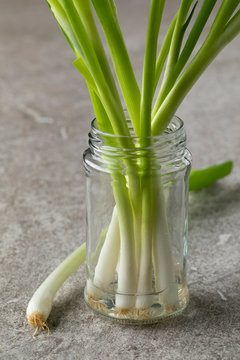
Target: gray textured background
{"x": 45, "y": 114}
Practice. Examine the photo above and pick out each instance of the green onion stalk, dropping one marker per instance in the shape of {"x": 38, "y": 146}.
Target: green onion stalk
{"x": 131, "y": 244}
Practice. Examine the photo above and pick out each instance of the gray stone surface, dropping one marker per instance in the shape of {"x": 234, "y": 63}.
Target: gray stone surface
{"x": 45, "y": 114}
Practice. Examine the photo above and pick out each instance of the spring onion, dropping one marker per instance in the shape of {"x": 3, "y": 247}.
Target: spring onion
{"x": 40, "y": 305}
{"x": 135, "y": 249}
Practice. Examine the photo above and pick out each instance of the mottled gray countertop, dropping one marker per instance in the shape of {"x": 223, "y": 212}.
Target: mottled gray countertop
{"x": 45, "y": 114}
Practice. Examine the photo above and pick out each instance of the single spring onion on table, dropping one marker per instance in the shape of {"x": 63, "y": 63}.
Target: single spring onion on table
{"x": 40, "y": 305}
{"x": 137, "y": 164}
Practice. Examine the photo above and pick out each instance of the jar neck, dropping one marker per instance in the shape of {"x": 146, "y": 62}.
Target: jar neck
{"x": 169, "y": 145}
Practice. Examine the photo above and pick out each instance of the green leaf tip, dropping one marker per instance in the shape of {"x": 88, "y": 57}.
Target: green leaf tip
{"x": 205, "y": 177}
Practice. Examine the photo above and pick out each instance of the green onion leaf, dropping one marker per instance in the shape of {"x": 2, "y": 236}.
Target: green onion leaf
{"x": 205, "y": 177}
{"x": 107, "y": 16}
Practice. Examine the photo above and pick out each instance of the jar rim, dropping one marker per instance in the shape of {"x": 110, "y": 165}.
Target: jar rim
{"x": 174, "y": 128}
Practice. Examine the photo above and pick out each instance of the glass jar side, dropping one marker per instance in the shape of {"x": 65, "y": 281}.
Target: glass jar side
{"x": 137, "y": 231}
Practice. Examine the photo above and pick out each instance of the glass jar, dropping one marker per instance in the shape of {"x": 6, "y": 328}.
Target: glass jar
{"x": 137, "y": 196}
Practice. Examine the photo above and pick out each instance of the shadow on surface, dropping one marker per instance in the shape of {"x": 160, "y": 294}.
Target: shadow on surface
{"x": 68, "y": 304}
{"x": 215, "y": 199}
{"x": 205, "y": 313}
